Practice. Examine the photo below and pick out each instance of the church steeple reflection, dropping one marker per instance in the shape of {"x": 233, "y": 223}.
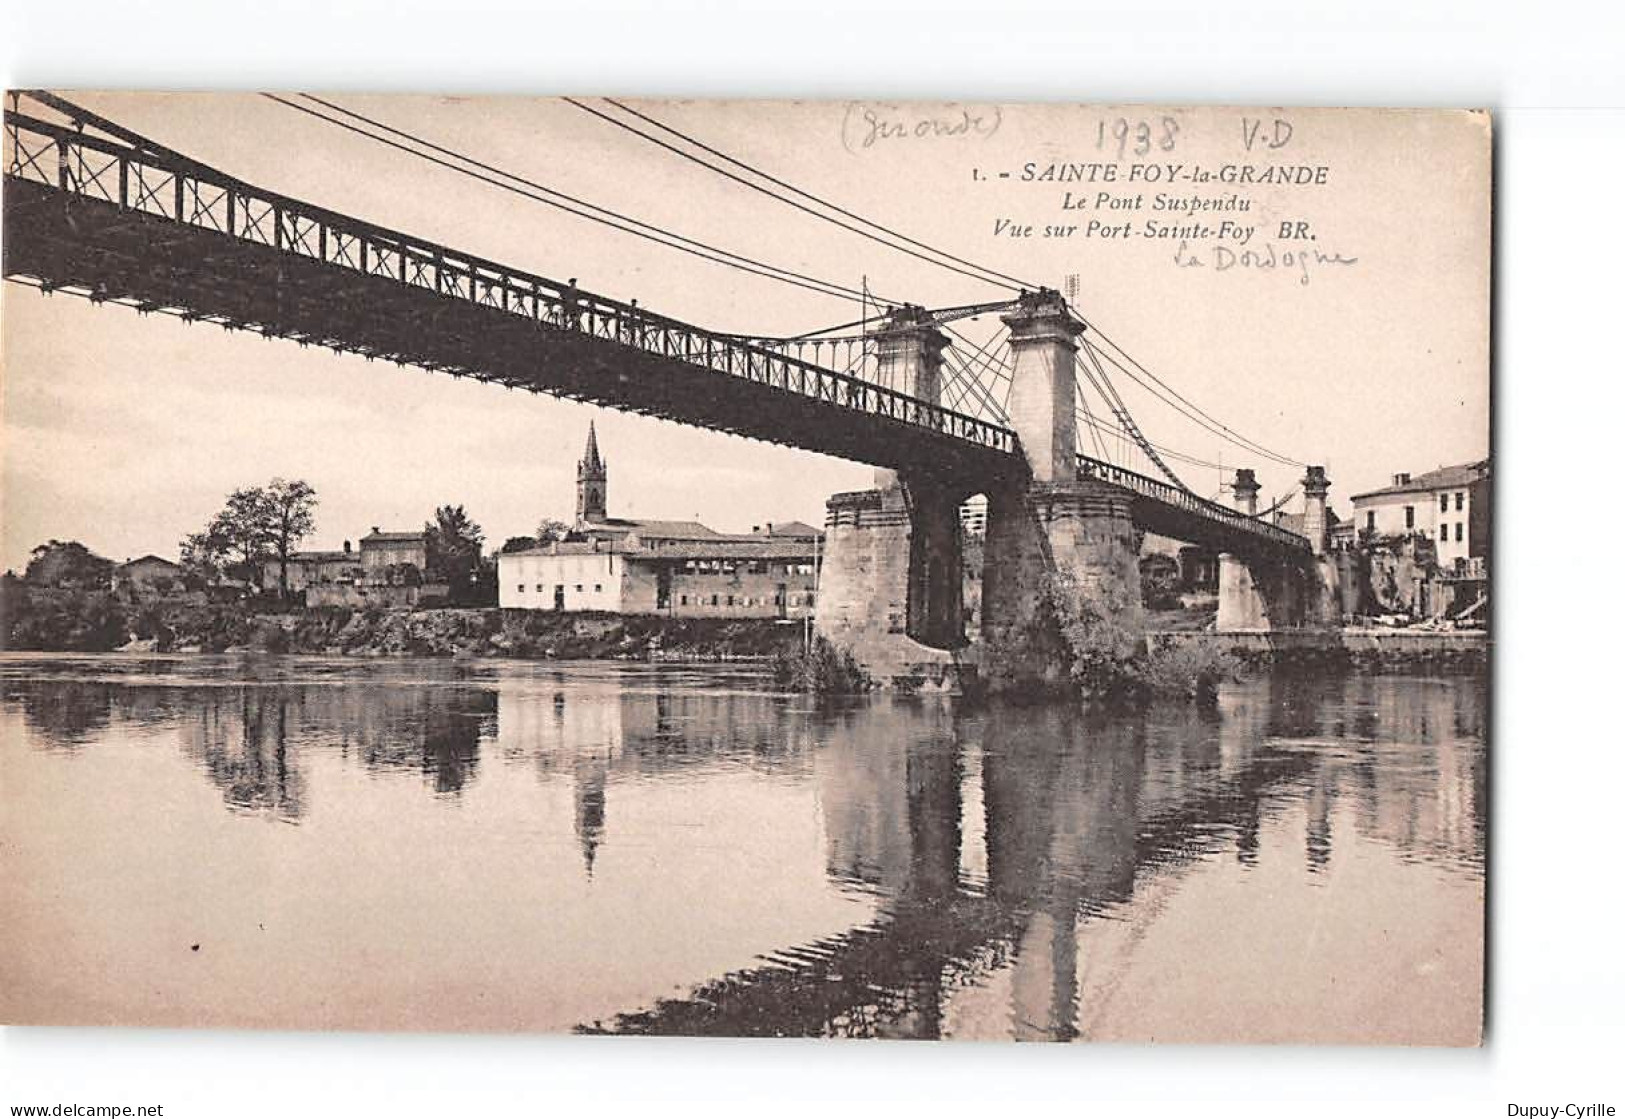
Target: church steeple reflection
{"x": 591, "y": 783}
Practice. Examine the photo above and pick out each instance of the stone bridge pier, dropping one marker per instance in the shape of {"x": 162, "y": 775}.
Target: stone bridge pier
{"x": 1060, "y": 549}
{"x": 1257, "y": 594}
{"x": 891, "y": 586}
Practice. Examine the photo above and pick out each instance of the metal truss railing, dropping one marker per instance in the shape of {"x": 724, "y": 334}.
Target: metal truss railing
{"x": 173, "y": 188}
{"x": 1189, "y": 502}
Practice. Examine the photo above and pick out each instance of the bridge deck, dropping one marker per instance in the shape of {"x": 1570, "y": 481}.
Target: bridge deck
{"x": 1169, "y": 511}
{"x": 163, "y": 233}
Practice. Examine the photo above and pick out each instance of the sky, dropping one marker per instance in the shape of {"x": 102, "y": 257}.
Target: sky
{"x": 127, "y": 432}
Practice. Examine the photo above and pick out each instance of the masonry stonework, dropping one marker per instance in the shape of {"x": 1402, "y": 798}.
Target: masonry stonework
{"x": 865, "y": 586}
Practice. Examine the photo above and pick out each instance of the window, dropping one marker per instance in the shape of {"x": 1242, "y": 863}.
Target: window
{"x": 1444, "y": 532}
{"x": 809, "y": 599}
{"x": 1460, "y": 497}
{"x": 730, "y": 600}
{"x": 1410, "y": 520}
{"x": 682, "y": 600}
{"x": 713, "y": 600}
{"x": 521, "y": 588}
{"x": 1458, "y": 532}
{"x": 1444, "y": 503}
{"x": 1371, "y": 520}
{"x": 578, "y": 588}
{"x": 598, "y": 588}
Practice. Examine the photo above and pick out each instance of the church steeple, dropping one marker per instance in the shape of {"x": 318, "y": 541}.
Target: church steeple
{"x": 592, "y": 481}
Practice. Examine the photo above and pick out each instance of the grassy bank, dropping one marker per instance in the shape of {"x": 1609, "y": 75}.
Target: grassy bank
{"x": 77, "y": 621}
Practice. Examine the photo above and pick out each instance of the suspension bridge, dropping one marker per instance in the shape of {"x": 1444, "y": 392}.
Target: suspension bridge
{"x": 99, "y": 211}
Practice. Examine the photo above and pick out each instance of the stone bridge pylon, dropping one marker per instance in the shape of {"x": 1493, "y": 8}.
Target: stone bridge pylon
{"x": 891, "y": 588}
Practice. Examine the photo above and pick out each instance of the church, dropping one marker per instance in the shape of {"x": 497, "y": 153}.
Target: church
{"x": 621, "y": 565}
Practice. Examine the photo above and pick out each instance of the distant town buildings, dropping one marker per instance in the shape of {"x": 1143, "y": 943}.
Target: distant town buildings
{"x": 678, "y": 568}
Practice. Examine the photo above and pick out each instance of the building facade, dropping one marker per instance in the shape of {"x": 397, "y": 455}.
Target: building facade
{"x": 313, "y": 568}
{"x": 676, "y": 568}
{"x": 1450, "y": 506}
{"x": 385, "y": 554}
{"x": 149, "y": 575}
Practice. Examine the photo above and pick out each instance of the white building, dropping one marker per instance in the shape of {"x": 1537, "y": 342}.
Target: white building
{"x": 1450, "y": 505}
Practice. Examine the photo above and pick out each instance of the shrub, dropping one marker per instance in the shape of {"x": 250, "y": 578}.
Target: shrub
{"x": 1192, "y": 670}
{"x": 68, "y": 620}
{"x": 820, "y": 668}
{"x": 1107, "y": 659}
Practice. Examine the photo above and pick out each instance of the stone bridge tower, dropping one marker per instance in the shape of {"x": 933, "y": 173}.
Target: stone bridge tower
{"x": 1061, "y": 551}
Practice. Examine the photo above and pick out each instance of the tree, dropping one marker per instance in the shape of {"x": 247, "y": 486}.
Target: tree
{"x": 68, "y": 564}
{"x": 292, "y": 517}
{"x": 258, "y": 523}
{"x": 1159, "y": 581}
{"x": 550, "y": 531}
{"x": 517, "y": 544}
{"x": 452, "y": 542}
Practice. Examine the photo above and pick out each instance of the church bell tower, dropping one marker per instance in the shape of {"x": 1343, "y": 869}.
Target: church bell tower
{"x": 592, "y": 482}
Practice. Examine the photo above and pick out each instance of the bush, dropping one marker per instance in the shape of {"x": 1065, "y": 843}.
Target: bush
{"x": 63, "y": 620}
{"x": 820, "y": 668}
{"x": 1192, "y": 670}
{"x": 1109, "y": 660}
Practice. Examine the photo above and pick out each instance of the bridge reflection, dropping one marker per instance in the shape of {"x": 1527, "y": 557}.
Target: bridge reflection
{"x": 991, "y": 847}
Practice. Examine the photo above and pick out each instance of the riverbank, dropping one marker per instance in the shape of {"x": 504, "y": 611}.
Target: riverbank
{"x": 96, "y": 622}
{"x": 37, "y": 620}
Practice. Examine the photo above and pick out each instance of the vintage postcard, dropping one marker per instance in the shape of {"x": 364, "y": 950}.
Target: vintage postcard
{"x": 799, "y": 569}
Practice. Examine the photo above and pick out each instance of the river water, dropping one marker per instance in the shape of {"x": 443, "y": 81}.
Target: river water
{"x": 312, "y": 843}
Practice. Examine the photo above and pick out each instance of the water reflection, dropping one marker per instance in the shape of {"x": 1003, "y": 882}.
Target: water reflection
{"x": 240, "y": 739}
{"x": 1007, "y": 862}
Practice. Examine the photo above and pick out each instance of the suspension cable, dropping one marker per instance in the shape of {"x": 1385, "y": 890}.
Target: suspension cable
{"x": 1000, "y": 279}
{"x": 550, "y": 197}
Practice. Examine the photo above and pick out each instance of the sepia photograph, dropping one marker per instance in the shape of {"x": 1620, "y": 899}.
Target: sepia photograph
{"x": 823, "y": 569}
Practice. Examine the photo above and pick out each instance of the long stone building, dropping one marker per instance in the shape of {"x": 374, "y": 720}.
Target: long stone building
{"x": 678, "y": 568}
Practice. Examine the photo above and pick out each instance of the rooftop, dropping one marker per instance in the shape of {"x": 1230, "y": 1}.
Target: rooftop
{"x": 664, "y": 530}
{"x": 1446, "y": 477}
{"x": 721, "y": 547}
{"x": 320, "y": 557}
{"x": 149, "y": 558}
{"x": 376, "y": 537}
{"x": 787, "y": 528}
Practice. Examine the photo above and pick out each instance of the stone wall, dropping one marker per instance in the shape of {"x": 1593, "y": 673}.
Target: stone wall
{"x": 1374, "y": 647}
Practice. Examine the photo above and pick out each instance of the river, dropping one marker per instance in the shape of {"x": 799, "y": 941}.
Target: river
{"x": 300, "y": 842}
